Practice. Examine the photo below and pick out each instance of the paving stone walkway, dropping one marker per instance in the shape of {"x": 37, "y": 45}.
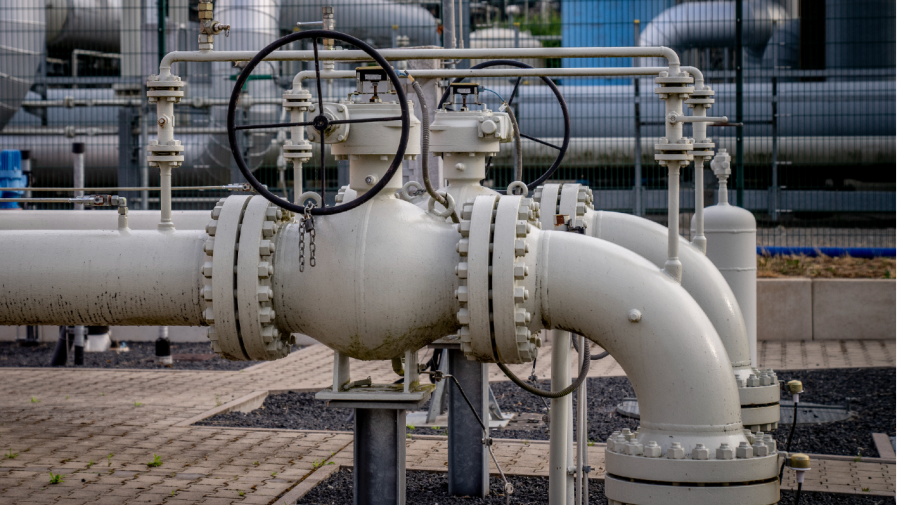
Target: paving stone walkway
{"x": 99, "y": 429}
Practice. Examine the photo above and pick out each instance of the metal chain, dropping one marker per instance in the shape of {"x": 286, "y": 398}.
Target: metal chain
{"x": 311, "y": 225}
{"x": 302, "y": 245}
{"x": 306, "y": 224}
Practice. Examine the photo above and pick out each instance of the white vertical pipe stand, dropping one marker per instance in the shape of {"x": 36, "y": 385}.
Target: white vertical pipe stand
{"x": 582, "y": 483}
{"x": 558, "y": 419}
{"x": 78, "y": 166}
{"x": 78, "y": 170}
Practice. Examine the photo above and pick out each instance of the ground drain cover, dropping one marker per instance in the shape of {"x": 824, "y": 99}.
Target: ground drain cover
{"x": 808, "y": 413}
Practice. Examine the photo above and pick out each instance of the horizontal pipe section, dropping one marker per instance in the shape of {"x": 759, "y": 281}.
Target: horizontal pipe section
{"x": 98, "y": 220}
{"x": 124, "y": 278}
{"x": 423, "y": 54}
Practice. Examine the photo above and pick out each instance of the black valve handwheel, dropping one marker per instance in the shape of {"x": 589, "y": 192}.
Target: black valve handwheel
{"x": 320, "y": 122}
{"x": 562, "y": 149}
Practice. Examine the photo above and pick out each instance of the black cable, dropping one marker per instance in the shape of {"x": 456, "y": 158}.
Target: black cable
{"x": 797, "y": 494}
{"x": 789, "y": 441}
{"x": 593, "y": 357}
{"x": 463, "y": 395}
{"x": 548, "y": 394}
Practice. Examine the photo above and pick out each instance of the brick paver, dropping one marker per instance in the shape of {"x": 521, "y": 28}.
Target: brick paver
{"x": 100, "y": 428}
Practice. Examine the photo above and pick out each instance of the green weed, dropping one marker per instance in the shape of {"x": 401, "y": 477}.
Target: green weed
{"x": 157, "y": 461}
{"x": 56, "y": 478}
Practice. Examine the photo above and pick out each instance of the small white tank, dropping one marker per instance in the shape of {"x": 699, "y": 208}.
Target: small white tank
{"x": 732, "y": 247}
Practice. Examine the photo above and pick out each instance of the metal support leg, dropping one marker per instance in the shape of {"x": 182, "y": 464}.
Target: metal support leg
{"x": 468, "y": 463}
{"x": 379, "y": 457}
{"x": 559, "y": 420}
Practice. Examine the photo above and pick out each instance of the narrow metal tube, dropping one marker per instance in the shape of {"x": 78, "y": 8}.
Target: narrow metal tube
{"x": 78, "y": 152}
{"x": 699, "y": 239}
{"x": 406, "y": 54}
{"x": 582, "y": 430}
{"x": 165, "y": 222}
{"x": 673, "y": 267}
{"x": 559, "y": 420}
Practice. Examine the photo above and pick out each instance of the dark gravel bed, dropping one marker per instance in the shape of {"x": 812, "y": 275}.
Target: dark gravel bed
{"x": 427, "y": 488}
{"x": 187, "y": 356}
{"x": 872, "y": 395}
{"x": 872, "y": 391}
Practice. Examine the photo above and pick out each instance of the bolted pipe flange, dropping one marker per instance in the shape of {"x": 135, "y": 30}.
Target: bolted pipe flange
{"x": 241, "y": 241}
{"x": 260, "y": 337}
{"x": 494, "y": 279}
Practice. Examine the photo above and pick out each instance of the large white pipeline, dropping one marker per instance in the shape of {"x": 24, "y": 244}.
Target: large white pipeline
{"x": 97, "y": 278}
{"x": 385, "y": 283}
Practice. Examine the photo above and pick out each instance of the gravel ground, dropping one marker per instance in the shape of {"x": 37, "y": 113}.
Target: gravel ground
{"x": 193, "y": 356}
{"x": 872, "y": 391}
{"x": 426, "y": 488}
{"x": 872, "y": 394}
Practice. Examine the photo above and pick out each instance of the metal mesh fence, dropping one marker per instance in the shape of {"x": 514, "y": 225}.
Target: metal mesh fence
{"x": 813, "y": 84}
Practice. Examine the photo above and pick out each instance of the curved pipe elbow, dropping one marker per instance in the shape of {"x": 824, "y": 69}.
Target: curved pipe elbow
{"x": 670, "y": 351}
{"x": 701, "y": 278}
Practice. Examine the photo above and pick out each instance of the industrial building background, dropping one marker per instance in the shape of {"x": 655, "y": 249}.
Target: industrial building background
{"x": 812, "y": 82}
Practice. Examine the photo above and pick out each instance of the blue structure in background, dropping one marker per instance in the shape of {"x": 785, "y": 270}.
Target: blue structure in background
{"x": 11, "y": 176}
{"x": 604, "y": 23}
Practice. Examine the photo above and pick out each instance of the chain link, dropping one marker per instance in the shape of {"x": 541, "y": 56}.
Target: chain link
{"x": 306, "y": 224}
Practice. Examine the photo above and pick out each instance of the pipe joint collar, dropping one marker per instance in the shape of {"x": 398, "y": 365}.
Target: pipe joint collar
{"x": 497, "y": 252}
{"x": 237, "y": 272}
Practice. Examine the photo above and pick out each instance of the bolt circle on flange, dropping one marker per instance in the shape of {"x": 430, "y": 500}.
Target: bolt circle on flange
{"x": 241, "y": 241}
{"x": 493, "y": 272}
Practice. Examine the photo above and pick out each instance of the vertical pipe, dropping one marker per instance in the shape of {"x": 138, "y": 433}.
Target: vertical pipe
{"x": 569, "y": 442}
{"x": 78, "y": 151}
{"x": 637, "y": 182}
{"x": 558, "y": 420}
{"x": 165, "y": 135}
{"x": 144, "y": 164}
{"x": 700, "y": 132}
{"x": 130, "y": 39}
{"x": 468, "y": 456}
{"x": 699, "y": 239}
{"x": 448, "y": 16}
{"x": 26, "y": 171}
{"x": 740, "y": 148}
{"x": 161, "y": 7}
{"x": 673, "y": 266}
{"x": 673, "y": 133}
{"x": 774, "y": 198}
{"x": 581, "y": 424}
